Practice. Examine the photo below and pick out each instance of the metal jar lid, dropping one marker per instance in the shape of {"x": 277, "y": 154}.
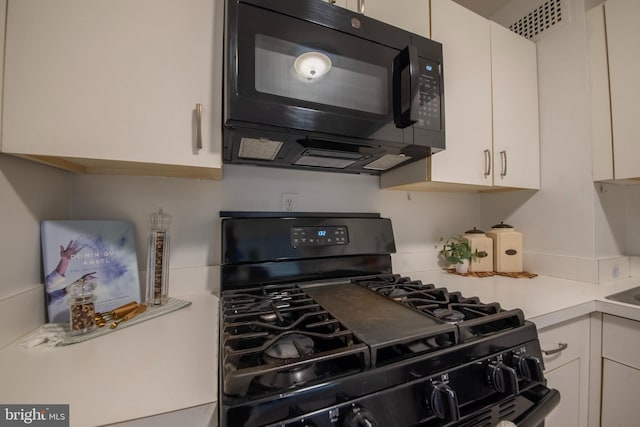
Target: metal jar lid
{"x": 474, "y": 231}
{"x": 502, "y": 225}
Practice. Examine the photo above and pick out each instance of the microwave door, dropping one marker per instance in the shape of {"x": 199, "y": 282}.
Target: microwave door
{"x": 300, "y": 75}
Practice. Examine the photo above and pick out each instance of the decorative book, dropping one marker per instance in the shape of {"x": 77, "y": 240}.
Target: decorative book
{"x": 76, "y": 251}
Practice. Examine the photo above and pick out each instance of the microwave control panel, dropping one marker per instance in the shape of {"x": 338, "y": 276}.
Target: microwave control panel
{"x": 319, "y": 236}
{"x": 429, "y": 111}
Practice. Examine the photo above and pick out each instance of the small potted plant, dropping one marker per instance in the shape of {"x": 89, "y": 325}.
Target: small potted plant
{"x": 457, "y": 251}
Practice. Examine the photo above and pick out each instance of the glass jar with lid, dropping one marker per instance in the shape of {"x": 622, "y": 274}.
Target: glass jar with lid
{"x": 81, "y": 306}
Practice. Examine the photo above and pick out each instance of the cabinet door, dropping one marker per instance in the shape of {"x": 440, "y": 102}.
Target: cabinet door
{"x": 566, "y": 355}
{"x": 3, "y": 9}
{"x": 516, "y": 146}
{"x": 466, "y": 43}
{"x": 620, "y": 383}
{"x": 623, "y": 35}
{"x": 100, "y": 81}
{"x": 601, "y": 141}
{"x": 566, "y": 379}
{"x": 410, "y": 15}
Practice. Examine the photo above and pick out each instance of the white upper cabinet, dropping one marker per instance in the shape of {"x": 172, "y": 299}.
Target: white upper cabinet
{"x": 613, "y": 34}
{"x": 3, "y": 8}
{"x": 111, "y": 86}
{"x": 516, "y": 132}
{"x": 491, "y": 109}
{"x": 466, "y": 44}
{"x": 410, "y": 15}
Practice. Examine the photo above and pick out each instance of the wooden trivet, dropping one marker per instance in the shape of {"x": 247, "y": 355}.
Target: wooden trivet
{"x": 519, "y": 275}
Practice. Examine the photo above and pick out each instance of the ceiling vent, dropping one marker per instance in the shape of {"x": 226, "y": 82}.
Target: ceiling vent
{"x": 539, "y": 21}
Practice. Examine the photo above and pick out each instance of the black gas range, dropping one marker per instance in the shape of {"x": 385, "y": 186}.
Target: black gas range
{"x": 316, "y": 330}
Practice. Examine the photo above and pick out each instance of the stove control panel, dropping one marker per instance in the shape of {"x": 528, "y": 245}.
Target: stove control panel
{"x": 500, "y": 386}
{"x": 319, "y": 236}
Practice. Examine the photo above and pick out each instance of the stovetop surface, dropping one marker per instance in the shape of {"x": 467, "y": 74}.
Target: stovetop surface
{"x": 285, "y": 336}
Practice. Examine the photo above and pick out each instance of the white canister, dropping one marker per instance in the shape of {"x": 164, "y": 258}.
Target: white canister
{"x": 482, "y": 250}
{"x": 507, "y": 248}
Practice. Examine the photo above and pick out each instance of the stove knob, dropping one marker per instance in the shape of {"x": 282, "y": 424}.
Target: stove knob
{"x": 529, "y": 367}
{"x": 502, "y": 378}
{"x": 442, "y": 401}
{"x": 359, "y": 417}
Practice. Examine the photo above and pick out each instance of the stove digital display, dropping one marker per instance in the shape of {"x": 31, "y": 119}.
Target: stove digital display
{"x": 319, "y": 236}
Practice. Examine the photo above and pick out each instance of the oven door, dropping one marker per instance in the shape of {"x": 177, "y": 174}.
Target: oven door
{"x": 545, "y": 400}
{"x": 320, "y": 71}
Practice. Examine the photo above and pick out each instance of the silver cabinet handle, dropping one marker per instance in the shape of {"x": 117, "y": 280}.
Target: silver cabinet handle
{"x": 199, "y": 126}
{"x": 503, "y": 157}
{"x": 562, "y": 346}
{"x": 361, "y": 6}
{"x": 487, "y": 162}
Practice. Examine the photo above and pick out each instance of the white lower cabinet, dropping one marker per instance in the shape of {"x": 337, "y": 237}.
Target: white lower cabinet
{"x": 620, "y": 383}
{"x": 620, "y": 372}
{"x": 566, "y": 349}
{"x": 197, "y": 416}
{"x": 563, "y": 379}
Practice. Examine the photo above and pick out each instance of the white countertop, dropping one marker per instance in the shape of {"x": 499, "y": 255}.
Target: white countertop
{"x": 544, "y": 300}
{"x": 164, "y": 364}
{"x": 170, "y": 363}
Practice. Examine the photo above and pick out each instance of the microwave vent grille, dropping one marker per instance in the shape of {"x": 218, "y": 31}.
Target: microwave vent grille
{"x": 537, "y": 22}
{"x": 387, "y": 162}
{"x": 259, "y": 148}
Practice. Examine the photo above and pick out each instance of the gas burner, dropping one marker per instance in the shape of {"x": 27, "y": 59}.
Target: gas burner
{"x": 396, "y": 287}
{"x": 276, "y": 317}
{"x": 291, "y": 346}
{"x": 248, "y": 303}
{"x": 448, "y": 315}
{"x": 287, "y": 378}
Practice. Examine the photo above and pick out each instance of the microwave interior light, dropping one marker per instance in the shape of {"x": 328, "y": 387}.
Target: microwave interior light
{"x": 312, "y": 65}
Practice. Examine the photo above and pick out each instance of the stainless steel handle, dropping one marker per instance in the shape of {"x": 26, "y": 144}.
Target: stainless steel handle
{"x": 361, "y": 6}
{"x": 487, "y": 162}
{"x": 562, "y": 346}
{"x": 199, "y": 126}
{"x": 503, "y": 157}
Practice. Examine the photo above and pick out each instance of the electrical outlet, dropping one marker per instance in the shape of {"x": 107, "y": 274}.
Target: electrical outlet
{"x": 289, "y": 202}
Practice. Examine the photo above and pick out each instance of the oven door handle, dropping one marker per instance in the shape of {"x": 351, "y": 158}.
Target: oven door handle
{"x": 405, "y": 110}
{"x": 545, "y": 400}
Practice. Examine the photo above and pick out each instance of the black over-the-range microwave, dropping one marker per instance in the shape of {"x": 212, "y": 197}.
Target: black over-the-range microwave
{"x": 311, "y": 85}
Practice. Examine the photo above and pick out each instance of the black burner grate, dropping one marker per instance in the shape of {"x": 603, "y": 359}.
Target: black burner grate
{"x": 257, "y": 321}
{"x": 473, "y": 318}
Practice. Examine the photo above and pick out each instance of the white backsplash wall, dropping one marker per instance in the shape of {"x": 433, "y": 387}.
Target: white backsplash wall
{"x": 612, "y": 235}
{"x": 419, "y": 219}
{"x": 29, "y": 193}
{"x": 632, "y": 217}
